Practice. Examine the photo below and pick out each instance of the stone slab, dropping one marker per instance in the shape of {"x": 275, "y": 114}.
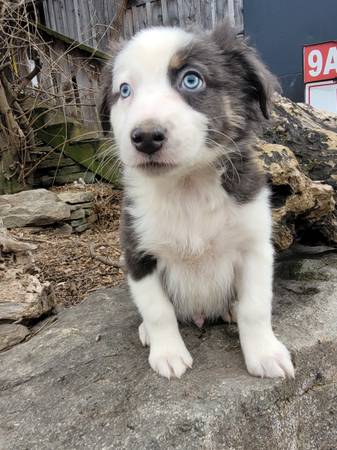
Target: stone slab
{"x": 81, "y": 228}
{"x": 11, "y": 334}
{"x": 77, "y": 214}
{"x": 76, "y": 197}
{"x": 32, "y": 208}
{"x": 85, "y": 383}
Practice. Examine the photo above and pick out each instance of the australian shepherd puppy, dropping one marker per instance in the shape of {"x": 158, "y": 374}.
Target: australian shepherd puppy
{"x": 196, "y": 228}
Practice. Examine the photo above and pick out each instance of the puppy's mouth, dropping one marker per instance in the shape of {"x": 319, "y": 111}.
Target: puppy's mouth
{"x": 155, "y": 167}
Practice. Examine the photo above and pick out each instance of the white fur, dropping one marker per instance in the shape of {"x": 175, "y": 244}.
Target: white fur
{"x": 168, "y": 353}
{"x": 153, "y": 98}
{"x": 207, "y": 245}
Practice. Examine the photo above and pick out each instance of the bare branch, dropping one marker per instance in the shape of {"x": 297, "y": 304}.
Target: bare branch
{"x": 103, "y": 259}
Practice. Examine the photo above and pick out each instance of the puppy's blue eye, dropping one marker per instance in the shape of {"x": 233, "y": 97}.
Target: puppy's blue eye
{"x": 192, "y": 81}
{"x": 125, "y": 90}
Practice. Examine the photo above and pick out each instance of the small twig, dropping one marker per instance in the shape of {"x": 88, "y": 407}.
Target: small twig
{"x": 103, "y": 259}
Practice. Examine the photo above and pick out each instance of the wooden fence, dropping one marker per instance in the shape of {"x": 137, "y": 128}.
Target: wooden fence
{"x": 89, "y": 22}
{"x": 72, "y": 72}
{"x": 205, "y": 13}
{"x": 93, "y": 22}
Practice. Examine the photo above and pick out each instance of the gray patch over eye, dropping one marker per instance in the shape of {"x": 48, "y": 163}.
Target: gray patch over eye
{"x": 237, "y": 93}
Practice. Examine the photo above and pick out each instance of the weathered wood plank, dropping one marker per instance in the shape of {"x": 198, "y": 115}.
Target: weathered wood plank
{"x": 78, "y": 30}
{"x": 86, "y": 94}
{"x": 239, "y": 15}
{"x": 69, "y": 9}
{"x": 92, "y": 23}
{"x": 45, "y": 78}
{"x": 134, "y": 10}
{"x": 52, "y": 14}
{"x": 191, "y": 12}
{"x": 230, "y": 11}
{"x": 157, "y": 17}
{"x": 148, "y": 13}
{"x": 213, "y": 12}
{"x": 58, "y": 16}
{"x": 85, "y": 18}
{"x": 180, "y": 5}
{"x": 128, "y": 27}
{"x": 198, "y": 12}
{"x": 46, "y": 12}
{"x": 143, "y": 19}
{"x": 82, "y": 30}
{"x": 221, "y": 7}
{"x": 207, "y": 14}
{"x": 66, "y": 19}
{"x": 173, "y": 13}
{"x": 165, "y": 12}
{"x": 108, "y": 20}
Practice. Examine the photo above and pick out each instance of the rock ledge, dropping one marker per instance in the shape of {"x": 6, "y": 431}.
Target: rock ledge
{"x": 84, "y": 383}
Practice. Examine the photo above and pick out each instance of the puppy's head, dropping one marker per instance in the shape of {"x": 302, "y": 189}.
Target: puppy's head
{"x": 178, "y": 100}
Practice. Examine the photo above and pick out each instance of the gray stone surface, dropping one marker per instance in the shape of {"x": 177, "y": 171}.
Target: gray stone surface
{"x": 78, "y": 222}
{"x": 77, "y": 214}
{"x": 34, "y": 207}
{"x": 84, "y": 382}
{"x": 81, "y": 228}
{"x": 86, "y": 205}
{"x": 23, "y": 296}
{"x": 76, "y": 197}
{"x": 11, "y": 334}
{"x": 66, "y": 229}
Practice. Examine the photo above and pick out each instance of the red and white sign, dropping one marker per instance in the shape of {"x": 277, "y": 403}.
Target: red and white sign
{"x": 320, "y": 62}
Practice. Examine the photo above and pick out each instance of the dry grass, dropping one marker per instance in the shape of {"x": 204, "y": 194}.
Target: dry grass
{"x": 65, "y": 261}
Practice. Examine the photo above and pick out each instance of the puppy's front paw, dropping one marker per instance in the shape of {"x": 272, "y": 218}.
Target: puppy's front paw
{"x": 143, "y": 335}
{"x": 268, "y": 358}
{"x": 170, "y": 359}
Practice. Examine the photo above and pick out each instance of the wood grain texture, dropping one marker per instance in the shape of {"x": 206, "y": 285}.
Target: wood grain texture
{"x": 165, "y": 13}
{"x": 92, "y": 21}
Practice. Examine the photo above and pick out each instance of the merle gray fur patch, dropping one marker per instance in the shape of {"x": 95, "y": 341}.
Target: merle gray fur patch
{"x": 238, "y": 89}
{"x": 138, "y": 263}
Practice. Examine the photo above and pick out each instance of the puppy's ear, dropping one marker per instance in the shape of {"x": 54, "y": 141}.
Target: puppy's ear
{"x": 260, "y": 84}
{"x": 105, "y": 99}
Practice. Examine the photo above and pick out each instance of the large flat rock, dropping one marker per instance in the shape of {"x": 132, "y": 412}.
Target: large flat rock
{"x": 84, "y": 382}
{"x": 32, "y": 208}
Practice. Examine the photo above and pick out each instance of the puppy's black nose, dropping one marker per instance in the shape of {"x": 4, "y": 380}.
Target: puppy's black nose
{"x": 148, "y": 139}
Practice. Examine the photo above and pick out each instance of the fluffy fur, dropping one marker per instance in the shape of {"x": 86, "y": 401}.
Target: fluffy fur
{"x": 196, "y": 228}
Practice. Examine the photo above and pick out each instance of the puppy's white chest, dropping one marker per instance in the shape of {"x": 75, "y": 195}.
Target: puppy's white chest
{"x": 193, "y": 232}
{"x": 189, "y": 225}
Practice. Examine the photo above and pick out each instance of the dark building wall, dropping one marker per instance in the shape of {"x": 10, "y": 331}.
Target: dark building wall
{"x": 280, "y": 28}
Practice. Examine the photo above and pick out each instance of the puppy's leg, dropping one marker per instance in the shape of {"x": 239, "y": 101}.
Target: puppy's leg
{"x": 168, "y": 353}
{"x": 264, "y": 354}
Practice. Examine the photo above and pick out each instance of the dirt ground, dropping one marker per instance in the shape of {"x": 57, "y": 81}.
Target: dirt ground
{"x": 65, "y": 260}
